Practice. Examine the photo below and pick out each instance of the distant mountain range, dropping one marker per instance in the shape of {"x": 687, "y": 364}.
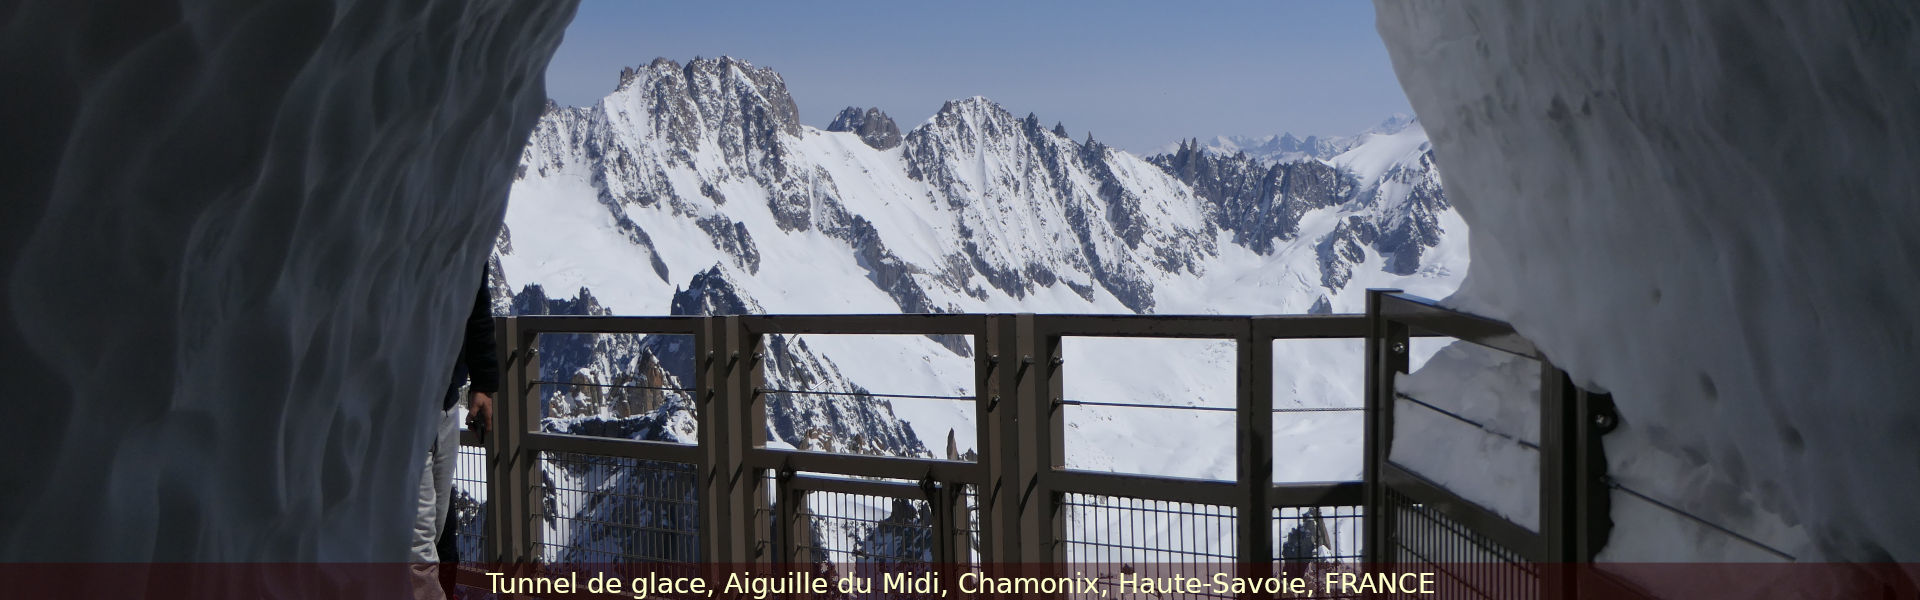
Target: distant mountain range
{"x": 1287, "y": 147}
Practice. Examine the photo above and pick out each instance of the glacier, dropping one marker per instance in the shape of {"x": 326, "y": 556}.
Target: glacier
{"x": 1707, "y": 209}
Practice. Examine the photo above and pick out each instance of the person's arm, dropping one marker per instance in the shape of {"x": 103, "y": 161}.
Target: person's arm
{"x": 482, "y": 371}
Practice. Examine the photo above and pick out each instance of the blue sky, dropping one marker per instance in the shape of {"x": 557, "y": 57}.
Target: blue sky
{"x": 1137, "y": 74}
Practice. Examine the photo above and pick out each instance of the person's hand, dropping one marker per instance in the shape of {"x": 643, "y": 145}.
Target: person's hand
{"x": 480, "y": 413}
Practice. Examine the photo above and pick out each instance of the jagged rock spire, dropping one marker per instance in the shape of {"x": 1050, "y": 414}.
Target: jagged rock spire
{"x": 874, "y": 127}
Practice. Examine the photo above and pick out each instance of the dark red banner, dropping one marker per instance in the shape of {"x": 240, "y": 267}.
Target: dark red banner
{"x": 1143, "y": 581}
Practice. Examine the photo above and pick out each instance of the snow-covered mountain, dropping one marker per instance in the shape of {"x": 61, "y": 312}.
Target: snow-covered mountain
{"x": 1287, "y": 147}
{"x": 694, "y": 189}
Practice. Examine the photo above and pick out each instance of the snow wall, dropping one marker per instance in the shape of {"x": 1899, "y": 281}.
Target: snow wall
{"x": 238, "y": 241}
{"x": 1709, "y": 209}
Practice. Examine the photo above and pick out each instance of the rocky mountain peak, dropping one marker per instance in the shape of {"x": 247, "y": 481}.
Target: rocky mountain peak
{"x": 972, "y": 103}
{"x": 874, "y": 127}
{"x": 712, "y": 294}
{"x": 533, "y": 300}
{"x": 1079, "y": 214}
{"x": 1260, "y": 202}
{"x": 725, "y": 99}
{"x": 968, "y": 115}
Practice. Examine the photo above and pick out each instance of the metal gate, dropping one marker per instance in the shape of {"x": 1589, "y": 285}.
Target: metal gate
{"x": 1416, "y": 523}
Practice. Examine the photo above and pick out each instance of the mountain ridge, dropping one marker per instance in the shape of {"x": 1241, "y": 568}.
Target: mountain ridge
{"x": 699, "y": 176}
{"x": 1288, "y": 147}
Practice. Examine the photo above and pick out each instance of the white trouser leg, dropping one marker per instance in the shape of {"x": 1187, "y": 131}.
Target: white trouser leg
{"x": 436, "y": 487}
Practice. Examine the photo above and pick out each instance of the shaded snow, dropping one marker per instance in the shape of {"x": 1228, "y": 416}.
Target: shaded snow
{"x": 1492, "y": 460}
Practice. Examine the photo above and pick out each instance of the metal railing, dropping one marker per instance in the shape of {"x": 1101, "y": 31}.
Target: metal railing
{"x": 616, "y": 509}
{"x": 469, "y": 497}
{"x": 1479, "y": 552}
{"x": 732, "y": 499}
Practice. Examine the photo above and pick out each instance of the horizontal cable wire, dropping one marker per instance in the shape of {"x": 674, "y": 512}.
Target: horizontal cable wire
{"x": 1698, "y": 519}
{"x": 1209, "y": 408}
{"x": 1456, "y": 417}
{"x": 860, "y": 394}
{"x": 1130, "y": 405}
{"x": 612, "y": 385}
{"x": 1611, "y": 484}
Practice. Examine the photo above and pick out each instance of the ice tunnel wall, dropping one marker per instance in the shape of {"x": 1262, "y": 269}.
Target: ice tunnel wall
{"x": 1712, "y": 210}
{"x": 238, "y": 239}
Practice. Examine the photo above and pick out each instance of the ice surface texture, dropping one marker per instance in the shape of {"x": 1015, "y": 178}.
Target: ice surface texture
{"x": 1709, "y": 209}
{"x": 239, "y": 238}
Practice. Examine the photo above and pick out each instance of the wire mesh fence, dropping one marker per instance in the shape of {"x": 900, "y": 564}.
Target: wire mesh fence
{"x": 1118, "y": 537}
{"x": 863, "y": 530}
{"x": 1467, "y": 563}
{"x": 968, "y": 529}
{"x": 468, "y": 510}
{"x": 874, "y": 536}
{"x": 1311, "y": 542}
{"x": 605, "y": 509}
